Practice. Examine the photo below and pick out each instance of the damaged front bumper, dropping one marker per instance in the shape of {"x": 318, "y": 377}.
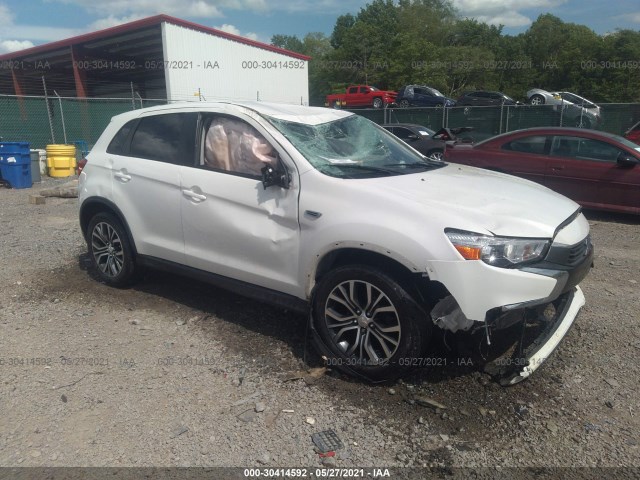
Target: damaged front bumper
{"x": 528, "y": 357}
{"x": 525, "y": 333}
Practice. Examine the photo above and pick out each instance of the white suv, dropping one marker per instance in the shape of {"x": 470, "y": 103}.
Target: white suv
{"x": 324, "y": 212}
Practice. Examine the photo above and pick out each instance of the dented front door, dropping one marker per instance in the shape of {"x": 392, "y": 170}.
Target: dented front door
{"x": 235, "y": 227}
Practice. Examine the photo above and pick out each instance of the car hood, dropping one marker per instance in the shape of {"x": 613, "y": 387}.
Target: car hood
{"x": 477, "y": 199}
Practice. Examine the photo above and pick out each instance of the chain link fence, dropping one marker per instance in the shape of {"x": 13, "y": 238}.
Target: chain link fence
{"x": 490, "y": 121}
{"x": 46, "y": 120}
{"x": 41, "y": 121}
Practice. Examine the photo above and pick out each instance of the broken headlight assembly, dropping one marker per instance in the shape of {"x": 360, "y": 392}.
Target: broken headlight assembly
{"x": 496, "y": 251}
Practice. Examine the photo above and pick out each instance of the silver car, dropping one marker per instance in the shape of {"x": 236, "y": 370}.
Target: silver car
{"x": 581, "y": 112}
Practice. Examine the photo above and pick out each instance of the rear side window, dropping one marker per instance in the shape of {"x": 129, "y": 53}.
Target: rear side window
{"x": 585, "y": 149}
{"x": 403, "y": 133}
{"x": 118, "y": 145}
{"x": 168, "y": 138}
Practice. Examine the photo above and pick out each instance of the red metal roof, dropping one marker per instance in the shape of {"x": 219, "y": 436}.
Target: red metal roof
{"x": 146, "y": 22}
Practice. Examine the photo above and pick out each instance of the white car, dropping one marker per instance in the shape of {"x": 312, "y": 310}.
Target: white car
{"x": 576, "y": 110}
{"x": 323, "y": 211}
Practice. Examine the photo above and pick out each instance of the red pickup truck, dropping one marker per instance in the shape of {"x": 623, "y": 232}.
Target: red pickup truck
{"x": 361, "y": 96}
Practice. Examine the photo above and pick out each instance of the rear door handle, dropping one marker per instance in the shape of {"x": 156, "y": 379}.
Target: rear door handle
{"x": 557, "y": 168}
{"x": 196, "y": 197}
{"x": 123, "y": 176}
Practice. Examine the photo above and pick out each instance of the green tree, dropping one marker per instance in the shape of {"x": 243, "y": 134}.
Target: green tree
{"x": 317, "y": 46}
{"x": 288, "y": 42}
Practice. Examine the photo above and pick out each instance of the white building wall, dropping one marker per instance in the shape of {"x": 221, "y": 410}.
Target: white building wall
{"x": 224, "y": 69}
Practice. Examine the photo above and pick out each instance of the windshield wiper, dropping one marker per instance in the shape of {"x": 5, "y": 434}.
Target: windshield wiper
{"x": 368, "y": 168}
{"x": 427, "y": 164}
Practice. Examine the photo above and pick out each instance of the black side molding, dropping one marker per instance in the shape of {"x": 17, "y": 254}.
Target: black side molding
{"x": 261, "y": 294}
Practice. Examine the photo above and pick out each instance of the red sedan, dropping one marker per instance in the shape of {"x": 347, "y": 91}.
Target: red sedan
{"x": 596, "y": 169}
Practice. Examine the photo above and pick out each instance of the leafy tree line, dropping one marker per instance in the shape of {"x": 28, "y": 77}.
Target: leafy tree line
{"x": 389, "y": 44}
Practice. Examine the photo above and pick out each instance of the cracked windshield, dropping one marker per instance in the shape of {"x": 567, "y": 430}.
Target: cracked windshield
{"x": 353, "y": 147}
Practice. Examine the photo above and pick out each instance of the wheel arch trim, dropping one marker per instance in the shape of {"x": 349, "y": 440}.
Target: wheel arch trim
{"x": 93, "y": 205}
{"x": 328, "y": 256}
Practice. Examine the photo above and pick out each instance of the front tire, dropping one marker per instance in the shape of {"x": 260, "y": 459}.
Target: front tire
{"x": 366, "y": 323}
{"x": 378, "y": 103}
{"x": 436, "y": 155}
{"x": 583, "y": 123}
{"x": 110, "y": 250}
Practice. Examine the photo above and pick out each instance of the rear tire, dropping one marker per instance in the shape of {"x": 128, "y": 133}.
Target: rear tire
{"x": 110, "y": 250}
{"x": 366, "y": 323}
{"x": 537, "y": 100}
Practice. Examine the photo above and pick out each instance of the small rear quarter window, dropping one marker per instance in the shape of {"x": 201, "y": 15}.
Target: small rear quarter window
{"x": 119, "y": 145}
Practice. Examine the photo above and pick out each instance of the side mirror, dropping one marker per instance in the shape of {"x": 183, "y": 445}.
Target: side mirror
{"x": 275, "y": 176}
{"x": 413, "y": 137}
{"x": 626, "y": 160}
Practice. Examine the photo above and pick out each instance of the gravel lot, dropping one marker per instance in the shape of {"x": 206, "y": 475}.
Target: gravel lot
{"x": 174, "y": 372}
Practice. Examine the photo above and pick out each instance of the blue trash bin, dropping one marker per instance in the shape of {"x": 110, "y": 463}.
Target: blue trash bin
{"x": 15, "y": 164}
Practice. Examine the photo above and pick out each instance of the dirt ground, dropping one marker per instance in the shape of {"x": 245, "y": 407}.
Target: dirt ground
{"x": 173, "y": 372}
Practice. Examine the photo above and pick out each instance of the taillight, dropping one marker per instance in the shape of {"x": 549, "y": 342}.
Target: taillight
{"x": 81, "y": 165}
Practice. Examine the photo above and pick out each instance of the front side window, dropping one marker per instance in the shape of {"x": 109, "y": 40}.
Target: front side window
{"x": 536, "y": 144}
{"x": 233, "y": 146}
{"x": 166, "y": 138}
{"x": 353, "y": 147}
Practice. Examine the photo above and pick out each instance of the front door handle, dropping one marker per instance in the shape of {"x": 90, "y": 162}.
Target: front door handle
{"x": 557, "y": 168}
{"x": 196, "y": 197}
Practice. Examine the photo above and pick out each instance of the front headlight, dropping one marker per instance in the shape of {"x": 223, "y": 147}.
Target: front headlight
{"x": 497, "y": 251}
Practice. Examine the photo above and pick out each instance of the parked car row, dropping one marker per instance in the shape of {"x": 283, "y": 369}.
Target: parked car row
{"x": 412, "y": 96}
{"x": 578, "y": 110}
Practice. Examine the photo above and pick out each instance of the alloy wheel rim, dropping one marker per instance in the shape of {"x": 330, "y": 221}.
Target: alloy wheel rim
{"x": 107, "y": 249}
{"x": 363, "y": 322}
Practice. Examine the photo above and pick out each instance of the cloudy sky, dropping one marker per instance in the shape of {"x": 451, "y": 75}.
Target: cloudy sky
{"x": 24, "y": 23}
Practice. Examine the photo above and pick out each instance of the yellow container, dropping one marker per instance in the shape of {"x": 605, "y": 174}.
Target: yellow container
{"x": 61, "y": 160}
